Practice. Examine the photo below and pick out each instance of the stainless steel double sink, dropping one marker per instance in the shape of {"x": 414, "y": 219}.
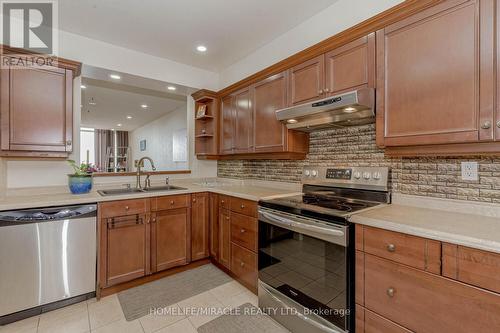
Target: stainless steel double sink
{"x": 132, "y": 190}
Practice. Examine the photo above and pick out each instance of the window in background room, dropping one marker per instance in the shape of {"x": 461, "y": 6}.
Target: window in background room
{"x": 87, "y": 153}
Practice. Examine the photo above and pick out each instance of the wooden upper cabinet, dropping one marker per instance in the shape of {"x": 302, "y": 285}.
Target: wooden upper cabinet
{"x": 36, "y": 109}
{"x": 351, "y": 66}
{"x": 243, "y": 121}
{"x": 435, "y": 76}
{"x": 227, "y": 125}
{"x": 199, "y": 226}
{"x": 307, "y": 81}
{"x": 269, "y": 96}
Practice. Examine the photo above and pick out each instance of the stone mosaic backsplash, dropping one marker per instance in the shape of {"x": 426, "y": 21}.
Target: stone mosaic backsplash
{"x": 426, "y": 176}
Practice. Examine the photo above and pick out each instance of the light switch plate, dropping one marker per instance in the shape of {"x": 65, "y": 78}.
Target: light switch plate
{"x": 469, "y": 171}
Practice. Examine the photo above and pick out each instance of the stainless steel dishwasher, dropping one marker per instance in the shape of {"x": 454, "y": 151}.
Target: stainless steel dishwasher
{"x": 47, "y": 259}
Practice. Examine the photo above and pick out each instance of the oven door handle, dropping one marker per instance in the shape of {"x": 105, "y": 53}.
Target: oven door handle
{"x": 290, "y": 223}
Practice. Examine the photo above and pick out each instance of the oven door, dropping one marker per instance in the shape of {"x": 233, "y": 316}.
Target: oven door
{"x": 305, "y": 269}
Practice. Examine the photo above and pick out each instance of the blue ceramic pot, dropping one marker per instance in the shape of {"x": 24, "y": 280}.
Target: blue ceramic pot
{"x": 80, "y": 184}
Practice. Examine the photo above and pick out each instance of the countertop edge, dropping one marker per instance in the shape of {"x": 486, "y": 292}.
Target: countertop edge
{"x": 472, "y": 242}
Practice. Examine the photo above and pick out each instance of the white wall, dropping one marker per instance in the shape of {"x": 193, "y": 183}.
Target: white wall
{"x": 159, "y": 140}
{"x": 334, "y": 19}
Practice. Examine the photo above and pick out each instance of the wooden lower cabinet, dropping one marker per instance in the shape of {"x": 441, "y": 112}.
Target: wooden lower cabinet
{"x": 370, "y": 322}
{"x": 244, "y": 265}
{"x": 124, "y": 250}
{"x": 170, "y": 239}
{"x": 199, "y": 226}
{"x": 225, "y": 238}
{"x": 214, "y": 226}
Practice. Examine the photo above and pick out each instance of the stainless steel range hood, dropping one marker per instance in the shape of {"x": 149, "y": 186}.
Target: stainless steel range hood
{"x": 348, "y": 109}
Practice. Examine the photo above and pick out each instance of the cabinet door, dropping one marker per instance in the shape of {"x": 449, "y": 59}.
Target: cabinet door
{"x": 243, "y": 129}
{"x": 214, "y": 226}
{"x": 307, "y": 81}
{"x": 351, "y": 66}
{"x": 37, "y": 109}
{"x": 424, "y": 302}
{"x": 227, "y": 125}
{"x": 269, "y": 96}
{"x": 225, "y": 238}
{"x": 199, "y": 226}
{"x": 124, "y": 246}
{"x": 435, "y": 76}
{"x": 170, "y": 239}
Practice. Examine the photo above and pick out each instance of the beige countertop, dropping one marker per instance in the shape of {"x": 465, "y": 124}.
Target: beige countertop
{"x": 419, "y": 217}
{"x": 59, "y": 196}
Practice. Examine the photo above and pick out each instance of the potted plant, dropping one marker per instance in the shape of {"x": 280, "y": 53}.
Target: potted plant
{"x": 80, "y": 182}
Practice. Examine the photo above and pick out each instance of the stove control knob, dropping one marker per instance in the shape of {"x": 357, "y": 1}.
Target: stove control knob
{"x": 314, "y": 173}
{"x": 307, "y": 173}
{"x": 366, "y": 175}
{"x": 376, "y": 175}
{"x": 357, "y": 175}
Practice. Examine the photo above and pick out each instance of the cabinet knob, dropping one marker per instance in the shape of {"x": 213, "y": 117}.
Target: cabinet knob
{"x": 227, "y": 217}
{"x": 222, "y": 201}
{"x": 154, "y": 219}
{"x": 498, "y": 124}
{"x": 326, "y": 90}
{"x": 390, "y": 292}
{"x": 172, "y": 202}
{"x": 69, "y": 143}
{"x": 242, "y": 206}
{"x": 242, "y": 264}
{"x": 194, "y": 199}
{"x": 127, "y": 207}
{"x": 486, "y": 125}
{"x": 320, "y": 92}
{"x": 242, "y": 231}
{"x": 391, "y": 248}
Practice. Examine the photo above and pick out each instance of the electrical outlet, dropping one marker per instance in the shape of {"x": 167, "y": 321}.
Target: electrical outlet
{"x": 469, "y": 171}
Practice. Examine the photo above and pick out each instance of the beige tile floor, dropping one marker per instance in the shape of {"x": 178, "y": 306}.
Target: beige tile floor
{"x": 106, "y": 316}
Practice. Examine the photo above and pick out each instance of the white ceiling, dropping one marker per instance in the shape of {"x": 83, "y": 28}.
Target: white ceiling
{"x": 231, "y": 29}
{"x": 115, "y": 102}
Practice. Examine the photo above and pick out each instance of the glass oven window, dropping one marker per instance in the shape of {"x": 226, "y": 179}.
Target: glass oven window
{"x": 310, "y": 271}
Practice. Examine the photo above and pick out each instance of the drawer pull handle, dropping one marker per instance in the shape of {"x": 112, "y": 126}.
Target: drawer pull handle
{"x": 242, "y": 264}
{"x": 390, "y": 292}
{"x": 242, "y": 206}
{"x": 391, "y": 248}
{"x": 242, "y": 231}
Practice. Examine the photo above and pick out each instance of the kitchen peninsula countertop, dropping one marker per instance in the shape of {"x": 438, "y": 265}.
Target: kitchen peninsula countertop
{"x": 38, "y": 197}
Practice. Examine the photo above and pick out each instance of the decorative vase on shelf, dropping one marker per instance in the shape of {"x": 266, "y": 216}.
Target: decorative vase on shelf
{"x": 80, "y": 184}
{"x": 81, "y": 181}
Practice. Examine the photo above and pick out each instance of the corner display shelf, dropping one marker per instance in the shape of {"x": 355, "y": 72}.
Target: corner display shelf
{"x": 206, "y": 127}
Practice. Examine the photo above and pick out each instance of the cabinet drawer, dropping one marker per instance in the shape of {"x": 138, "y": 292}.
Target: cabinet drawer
{"x": 244, "y": 265}
{"x": 413, "y": 251}
{"x": 171, "y": 202}
{"x": 424, "y": 302}
{"x": 476, "y": 267}
{"x": 243, "y": 206}
{"x": 224, "y": 201}
{"x": 370, "y": 322}
{"x": 244, "y": 231}
{"x": 123, "y": 207}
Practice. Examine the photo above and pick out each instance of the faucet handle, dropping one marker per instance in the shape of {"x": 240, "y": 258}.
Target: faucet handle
{"x": 147, "y": 181}
{"x": 167, "y": 180}
{"x": 127, "y": 186}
